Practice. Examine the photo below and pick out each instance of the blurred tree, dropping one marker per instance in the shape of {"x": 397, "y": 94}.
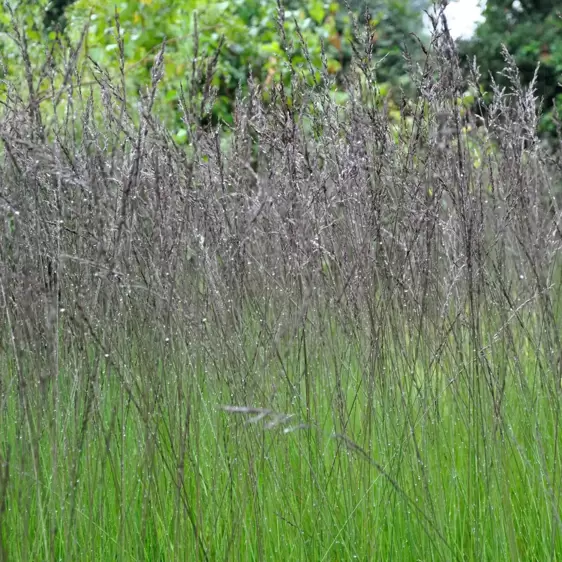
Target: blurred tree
{"x": 532, "y": 32}
{"x": 251, "y": 39}
{"x": 54, "y": 14}
{"x": 395, "y": 21}
{"x": 249, "y": 29}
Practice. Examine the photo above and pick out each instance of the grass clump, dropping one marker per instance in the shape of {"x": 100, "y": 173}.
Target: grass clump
{"x": 327, "y": 335}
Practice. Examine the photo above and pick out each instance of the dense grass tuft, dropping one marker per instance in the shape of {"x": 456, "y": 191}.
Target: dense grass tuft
{"x": 328, "y": 333}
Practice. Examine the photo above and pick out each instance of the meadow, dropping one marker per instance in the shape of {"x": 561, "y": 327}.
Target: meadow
{"x": 327, "y": 333}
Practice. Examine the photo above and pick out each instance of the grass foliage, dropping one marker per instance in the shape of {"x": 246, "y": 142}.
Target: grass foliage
{"x": 320, "y": 335}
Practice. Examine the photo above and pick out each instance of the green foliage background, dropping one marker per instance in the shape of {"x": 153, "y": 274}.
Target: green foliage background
{"x": 249, "y": 29}
{"x": 530, "y": 29}
{"x": 532, "y": 32}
